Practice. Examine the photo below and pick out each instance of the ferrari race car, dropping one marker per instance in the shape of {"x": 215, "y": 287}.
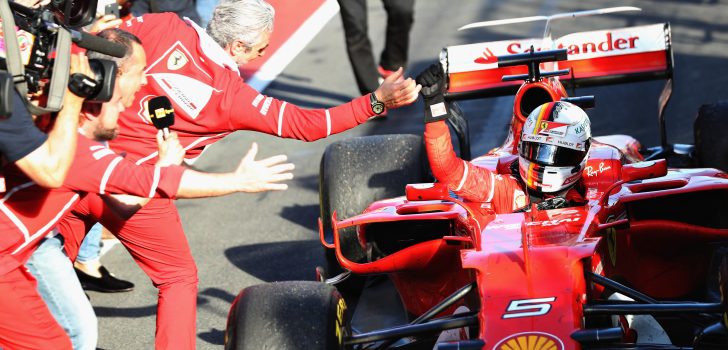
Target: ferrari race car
{"x": 642, "y": 265}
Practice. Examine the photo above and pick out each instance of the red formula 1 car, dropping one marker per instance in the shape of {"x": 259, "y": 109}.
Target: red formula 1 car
{"x": 642, "y": 265}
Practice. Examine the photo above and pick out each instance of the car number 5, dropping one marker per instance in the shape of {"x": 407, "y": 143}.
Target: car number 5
{"x": 528, "y": 307}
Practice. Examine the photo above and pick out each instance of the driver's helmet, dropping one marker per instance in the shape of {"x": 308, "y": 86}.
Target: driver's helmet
{"x": 554, "y": 144}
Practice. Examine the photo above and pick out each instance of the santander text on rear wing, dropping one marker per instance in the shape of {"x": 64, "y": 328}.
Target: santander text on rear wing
{"x": 595, "y": 58}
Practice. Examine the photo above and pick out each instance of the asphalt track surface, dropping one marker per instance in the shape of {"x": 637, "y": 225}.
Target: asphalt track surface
{"x": 245, "y": 239}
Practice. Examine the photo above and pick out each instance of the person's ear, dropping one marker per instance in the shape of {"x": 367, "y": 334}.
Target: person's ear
{"x": 90, "y": 113}
{"x": 86, "y": 116}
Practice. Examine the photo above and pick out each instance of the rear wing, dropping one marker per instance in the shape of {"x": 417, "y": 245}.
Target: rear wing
{"x": 595, "y": 58}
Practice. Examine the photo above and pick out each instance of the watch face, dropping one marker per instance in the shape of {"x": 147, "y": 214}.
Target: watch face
{"x": 378, "y": 108}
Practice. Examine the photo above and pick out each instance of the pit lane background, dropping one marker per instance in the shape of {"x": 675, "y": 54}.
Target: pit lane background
{"x": 245, "y": 239}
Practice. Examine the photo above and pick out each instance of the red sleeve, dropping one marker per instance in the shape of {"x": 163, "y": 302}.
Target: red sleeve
{"x": 250, "y": 110}
{"x": 470, "y": 182}
{"x": 143, "y": 180}
{"x": 74, "y": 225}
{"x": 97, "y": 169}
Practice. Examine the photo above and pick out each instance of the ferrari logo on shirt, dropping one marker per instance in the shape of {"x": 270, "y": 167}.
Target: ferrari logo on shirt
{"x": 178, "y": 76}
{"x": 176, "y": 60}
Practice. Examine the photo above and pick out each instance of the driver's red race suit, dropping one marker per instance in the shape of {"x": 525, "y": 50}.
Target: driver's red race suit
{"x": 29, "y": 212}
{"x": 210, "y": 101}
{"x": 501, "y": 193}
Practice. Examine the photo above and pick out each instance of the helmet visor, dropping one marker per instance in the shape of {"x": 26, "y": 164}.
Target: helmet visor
{"x": 551, "y": 155}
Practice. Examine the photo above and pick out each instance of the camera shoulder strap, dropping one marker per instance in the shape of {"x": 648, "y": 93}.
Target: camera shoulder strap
{"x": 17, "y": 70}
{"x": 61, "y": 67}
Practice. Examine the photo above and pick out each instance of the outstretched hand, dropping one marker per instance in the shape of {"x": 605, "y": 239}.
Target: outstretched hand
{"x": 105, "y": 22}
{"x": 432, "y": 81}
{"x": 396, "y": 91}
{"x": 263, "y": 175}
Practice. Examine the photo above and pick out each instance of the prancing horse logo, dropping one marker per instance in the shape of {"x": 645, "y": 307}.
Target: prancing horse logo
{"x": 176, "y": 60}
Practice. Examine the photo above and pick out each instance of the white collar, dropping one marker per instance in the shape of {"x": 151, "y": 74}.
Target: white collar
{"x": 212, "y": 49}
{"x": 82, "y": 132}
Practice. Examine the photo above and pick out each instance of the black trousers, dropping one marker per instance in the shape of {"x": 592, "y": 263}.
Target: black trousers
{"x": 400, "y": 16}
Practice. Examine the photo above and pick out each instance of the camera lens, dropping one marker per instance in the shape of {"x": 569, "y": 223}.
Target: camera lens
{"x": 74, "y": 13}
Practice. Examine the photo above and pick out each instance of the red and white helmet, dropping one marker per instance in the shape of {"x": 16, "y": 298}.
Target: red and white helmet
{"x": 554, "y": 145}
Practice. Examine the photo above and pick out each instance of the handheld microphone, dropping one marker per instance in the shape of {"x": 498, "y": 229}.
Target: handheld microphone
{"x": 161, "y": 113}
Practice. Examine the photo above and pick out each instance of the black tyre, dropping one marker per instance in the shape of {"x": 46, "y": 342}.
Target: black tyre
{"x": 711, "y": 143}
{"x": 292, "y": 315}
{"x": 355, "y": 173}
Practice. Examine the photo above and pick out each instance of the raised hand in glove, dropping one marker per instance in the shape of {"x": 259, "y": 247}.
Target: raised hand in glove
{"x": 432, "y": 80}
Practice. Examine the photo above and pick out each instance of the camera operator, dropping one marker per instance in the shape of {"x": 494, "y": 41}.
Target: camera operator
{"x": 45, "y": 159}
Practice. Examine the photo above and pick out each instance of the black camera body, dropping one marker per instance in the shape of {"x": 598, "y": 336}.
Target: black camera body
{"x": 37, "y": 38}
{"x": 38, "y": 32}
{"x": 36, "y": 41}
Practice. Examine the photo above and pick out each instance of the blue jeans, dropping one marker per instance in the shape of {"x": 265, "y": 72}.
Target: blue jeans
{"x": 90, "y": 248}
{"x": 62, "y": 292}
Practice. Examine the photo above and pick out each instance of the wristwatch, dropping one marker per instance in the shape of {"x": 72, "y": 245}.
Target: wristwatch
{"x": 377, "y": 106}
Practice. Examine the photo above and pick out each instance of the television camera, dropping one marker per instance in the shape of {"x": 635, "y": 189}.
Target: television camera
{"x": 36, "y": 53}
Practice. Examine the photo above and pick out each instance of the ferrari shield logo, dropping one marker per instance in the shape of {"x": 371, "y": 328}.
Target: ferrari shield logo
{"x": 553, "y": 128}
{"x": 176, "y": 60}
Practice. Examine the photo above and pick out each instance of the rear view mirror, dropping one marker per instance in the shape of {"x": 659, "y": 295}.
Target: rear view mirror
{"x": 644, "y": 170}
{"x": 427, "y": 191}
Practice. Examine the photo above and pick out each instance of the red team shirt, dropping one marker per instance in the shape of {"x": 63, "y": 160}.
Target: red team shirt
{"x": 95, "y": 169}
{"x": 209, "y": 96}
{"x": 210, "y": 100}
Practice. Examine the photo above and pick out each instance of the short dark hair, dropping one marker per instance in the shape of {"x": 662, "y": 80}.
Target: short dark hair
{"x": 117, "y": 36}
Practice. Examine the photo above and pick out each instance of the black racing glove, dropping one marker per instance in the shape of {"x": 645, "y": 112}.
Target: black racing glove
{"x": 432, "y": 80}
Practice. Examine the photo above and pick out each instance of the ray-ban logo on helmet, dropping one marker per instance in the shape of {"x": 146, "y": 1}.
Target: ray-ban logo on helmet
{"x": 176, "y": 60}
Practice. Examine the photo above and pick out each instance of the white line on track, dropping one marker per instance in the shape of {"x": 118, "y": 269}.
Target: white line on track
{"x": 293, "y": 46}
